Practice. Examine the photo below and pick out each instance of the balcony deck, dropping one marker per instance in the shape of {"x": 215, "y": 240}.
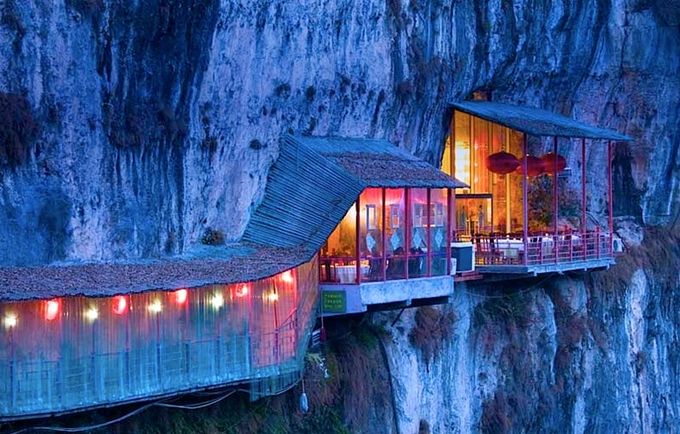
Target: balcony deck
{"x": 546, "y": 254}
{"x": 345, "y": 299}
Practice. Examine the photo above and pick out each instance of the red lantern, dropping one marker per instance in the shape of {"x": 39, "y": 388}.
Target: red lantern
{"x": 549, "y": 162}
{"x": 502, "y": 163}
{"x": 535, "y": 166}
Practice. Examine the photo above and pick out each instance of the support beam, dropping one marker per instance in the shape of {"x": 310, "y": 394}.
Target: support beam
{"x": 508, "y": 219}
{"x": 556, "y": 205}
{"x": 610, "y": 197}
{"x": 407, "y": 229}
{"x": 452, "y": 144}
{"x": 525, "y": 198}
{"x": 383, "y": 235}
{"x": 428, "y": 235}
{"x": 357, "y": 208}
{"x": 450, "y": 211}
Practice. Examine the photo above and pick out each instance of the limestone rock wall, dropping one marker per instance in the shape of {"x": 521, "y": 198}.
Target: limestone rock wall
{"x": 157, "y": 119}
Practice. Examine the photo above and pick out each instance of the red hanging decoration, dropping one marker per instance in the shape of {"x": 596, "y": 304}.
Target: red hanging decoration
{"x": 549, "y": 162}
{"x": 502, "y": 163}
{"x": 535, "y": 166}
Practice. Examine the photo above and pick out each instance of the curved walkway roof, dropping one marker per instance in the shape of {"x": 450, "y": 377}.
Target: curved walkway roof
{"x": 317, "y": 179}
{"x": 309, "y": 189}
{"x": 535, "y": 121}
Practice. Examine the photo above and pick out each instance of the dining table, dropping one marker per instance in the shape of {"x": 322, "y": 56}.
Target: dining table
{"x": 348, "y": 273}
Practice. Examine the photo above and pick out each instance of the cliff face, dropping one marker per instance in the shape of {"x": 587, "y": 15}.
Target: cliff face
{"x": 144, "y": 123}
{"x": 594, "y": 353}
{"x": 131, "y": 127}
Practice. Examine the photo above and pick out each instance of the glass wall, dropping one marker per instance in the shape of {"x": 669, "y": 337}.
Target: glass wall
{"x": 493, "y": 203}
{"x": 402, "y": 233}
{"x": 73, "y": 352}
{"x": 371, "y": 234}
{"x": 341, "y": 251}
{"x": 395, "y": 230}
{"x": 439, "y": 231}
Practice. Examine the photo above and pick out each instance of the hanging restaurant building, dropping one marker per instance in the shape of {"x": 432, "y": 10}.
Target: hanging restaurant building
{"x": 83, "y": 336}
{"x": 526, "y": 209}
{"x": 360, "y": 222}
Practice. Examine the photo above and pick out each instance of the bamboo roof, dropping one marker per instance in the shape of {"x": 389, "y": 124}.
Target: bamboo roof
{"x": 536, "y": 122}
{"x": 317, "y": 179}
{"x": 309, "y": 189}
{"x": 212, "y": 265}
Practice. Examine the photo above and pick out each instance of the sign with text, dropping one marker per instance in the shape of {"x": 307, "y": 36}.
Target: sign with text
{"x": 334, "y": 301}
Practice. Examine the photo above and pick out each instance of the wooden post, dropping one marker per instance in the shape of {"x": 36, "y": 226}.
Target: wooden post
{"x": 357, "y": 255}
{"x": 584, "y": 204}
{"x": 384, "y": 241}
{"x": 450, "y": 210}
{"x": 428, "y": 235}
{"x": 525, "y": 199}
{"x": 556, "y": 206}
{"x": 611, "y": 196}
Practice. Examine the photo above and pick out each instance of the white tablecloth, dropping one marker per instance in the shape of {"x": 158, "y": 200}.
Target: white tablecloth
{"x": 510, "y": 247}
{"x": 348, "y": 273}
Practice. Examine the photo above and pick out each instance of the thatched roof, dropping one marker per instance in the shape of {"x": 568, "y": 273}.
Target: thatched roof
{"x": 214, "y": 265}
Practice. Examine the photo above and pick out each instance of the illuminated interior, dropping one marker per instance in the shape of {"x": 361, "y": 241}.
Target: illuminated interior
{"x": 493, "y": 203}
{"x": 392, "y": 243}
{"x": 74, "y": 351}
{"x": 490, "y": 159}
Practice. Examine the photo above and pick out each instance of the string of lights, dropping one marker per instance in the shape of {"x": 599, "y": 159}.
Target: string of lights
{"x": 53, "y": 309}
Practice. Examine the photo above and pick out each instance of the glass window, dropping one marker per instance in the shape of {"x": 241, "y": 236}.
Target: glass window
{"x": 461, "y": 148}
{"x": 418, "y": 243}
{"x": 338, "y": 256}
{"x": 395, "y": 228}
{"x": 370, "y": 234}
{"x": 438, "y": 230}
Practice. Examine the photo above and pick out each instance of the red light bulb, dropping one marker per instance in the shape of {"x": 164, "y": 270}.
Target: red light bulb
{"x": 181, "y": 296}
{"x": 287, "y": 277}
{"x": 52, "y": 308}
{"x": 242, "y": 291}
{"x": 120, "y": 305}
